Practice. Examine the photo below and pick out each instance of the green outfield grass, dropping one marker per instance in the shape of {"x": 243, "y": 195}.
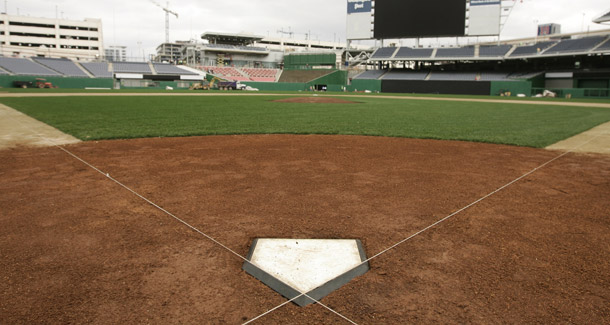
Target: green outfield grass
{"x": 181, "y": 91}
{"x": 92, "y": 118}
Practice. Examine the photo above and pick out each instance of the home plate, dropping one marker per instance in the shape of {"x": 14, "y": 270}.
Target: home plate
{"x": 315, "y": 267}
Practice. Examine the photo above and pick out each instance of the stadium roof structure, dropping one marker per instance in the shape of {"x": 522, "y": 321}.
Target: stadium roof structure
{"x": 230, "y": 38}
{"x": 605, "y": 18}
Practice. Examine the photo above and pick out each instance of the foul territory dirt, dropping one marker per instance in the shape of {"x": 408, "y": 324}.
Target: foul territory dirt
{"x": 77, "y": 248}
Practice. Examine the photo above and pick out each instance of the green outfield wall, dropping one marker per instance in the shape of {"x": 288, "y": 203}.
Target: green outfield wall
{"x": 61, "y": 82}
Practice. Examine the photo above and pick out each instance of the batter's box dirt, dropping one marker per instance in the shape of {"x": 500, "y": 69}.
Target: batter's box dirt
{"x": 76, "y": 247}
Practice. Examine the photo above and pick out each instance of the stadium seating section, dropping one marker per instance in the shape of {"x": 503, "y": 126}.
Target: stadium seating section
{"x": 384, "y": 53}
{"x": 410, "y": 53}
{"x": 63, "y": 66}
{"x": 493, "y": 76}
{"x": 455, "y": 52}
{"x": 604, "y": 47}
{"x": 98, "y": 69}
{"x": 494, "y": 51}
{"x": 405, "y": 75}
{"x": 25, "y": 67}
{"x": 529, "y": 50}
{"x": 575, "y": 45}
{"x": 371, "y": 74}
{"x": 162, "y": 68}
{"x": 131, "y": 67}
{"x": 265, "y": 75}
{"x": 243, "y": 74}
{"x": 227, "y": 73}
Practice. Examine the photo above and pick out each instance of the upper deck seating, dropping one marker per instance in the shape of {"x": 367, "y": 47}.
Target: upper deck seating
{"x": 576, "y": 45}
{"x": 384, "y": 53}
{"x": 528, "y": 50}
{"x": 494, "y": 51}
{"x": 410, "y": 53}
{"x": 455, "y": 52}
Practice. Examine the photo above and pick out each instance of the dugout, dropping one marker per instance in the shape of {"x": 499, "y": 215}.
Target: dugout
{"x": 139, "y": 81}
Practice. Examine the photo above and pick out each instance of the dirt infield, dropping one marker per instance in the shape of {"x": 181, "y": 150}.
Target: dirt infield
{"x": 76, "y": 248}
{"x": 315, "y": 100}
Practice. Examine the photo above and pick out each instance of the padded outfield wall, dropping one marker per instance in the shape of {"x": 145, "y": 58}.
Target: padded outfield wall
{"x": 61, "y": 82}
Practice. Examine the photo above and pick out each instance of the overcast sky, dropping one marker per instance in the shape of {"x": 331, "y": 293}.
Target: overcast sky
{"x": 139, "y": 24}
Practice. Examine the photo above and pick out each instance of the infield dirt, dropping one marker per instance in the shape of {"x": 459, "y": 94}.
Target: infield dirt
{"x": 76, "y": 247}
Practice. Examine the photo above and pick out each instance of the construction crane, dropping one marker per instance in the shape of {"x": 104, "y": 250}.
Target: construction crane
{"x": 289, "y": 32}
{"x": 167, "y": 12}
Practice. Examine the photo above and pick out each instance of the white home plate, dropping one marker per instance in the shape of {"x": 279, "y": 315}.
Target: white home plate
{"x": 315, "y": 267}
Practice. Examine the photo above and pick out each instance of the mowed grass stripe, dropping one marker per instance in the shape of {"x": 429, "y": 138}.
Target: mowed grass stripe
{"x": 94, "y": 118}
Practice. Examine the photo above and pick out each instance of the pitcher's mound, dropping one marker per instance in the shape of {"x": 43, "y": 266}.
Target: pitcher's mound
{"x": 315, "y": 100}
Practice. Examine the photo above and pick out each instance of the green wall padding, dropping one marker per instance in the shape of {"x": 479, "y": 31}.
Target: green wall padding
{"x": 61, "y": 82}
{"x": 514, "y": 87}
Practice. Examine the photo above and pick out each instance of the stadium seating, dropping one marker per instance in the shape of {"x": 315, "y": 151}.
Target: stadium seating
{"x": 405, "y": 75}
{"x": 25, "y": 67}
{"x": 131, "y": 67}
{"x": 524, "y": 75}
{"x": 371, "y": 74}
{"x": 384, "y": 53}
{"x": 229, "y": 73}
{"x": 575, "y": 45}
{"x": 604, "y": 47}
{"x": 531, "y": 49}
{"x": 494, "y": 51}
{"x": 264, "y": 75}
{"x": 2, "y": 72}
{"x": 163, "y": 68}
{"x": 454, "y": 76}
{"x": 409, "y": 53}
{"x": 98, "y": 69}
{"x": 455, "y": 52}
{"x": 63, "y": 66}
{"x": 494, "y": 76}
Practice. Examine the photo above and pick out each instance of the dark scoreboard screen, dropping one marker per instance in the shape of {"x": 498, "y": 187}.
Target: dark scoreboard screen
{"x": 419, "y": 18}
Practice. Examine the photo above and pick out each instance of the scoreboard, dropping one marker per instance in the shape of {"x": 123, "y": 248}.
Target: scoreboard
{"x": 390, "y": 19}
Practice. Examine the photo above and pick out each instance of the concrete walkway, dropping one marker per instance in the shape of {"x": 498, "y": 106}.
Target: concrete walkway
{"x": 18, "y": 129}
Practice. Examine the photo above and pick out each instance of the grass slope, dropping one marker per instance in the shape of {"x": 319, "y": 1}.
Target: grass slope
{"x": 91, "y": 118}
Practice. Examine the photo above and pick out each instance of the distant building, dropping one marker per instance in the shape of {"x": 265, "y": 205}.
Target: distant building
{"x": 549, "y": 29}
{"x": 22, "y": 36}
{"x": 252, "y": 51}
{"x": 116, "y": 53}
{"x": 170, "y": 52}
